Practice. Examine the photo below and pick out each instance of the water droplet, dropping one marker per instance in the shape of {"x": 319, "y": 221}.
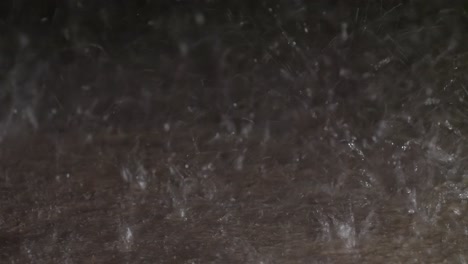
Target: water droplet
{"x": 199, "y": 18}
{"x": 167, "y": 127}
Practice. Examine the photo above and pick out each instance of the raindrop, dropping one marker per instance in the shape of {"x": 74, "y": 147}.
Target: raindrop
{"x": 167, "y": 127}
{"x": 199, "y": 18}
{"x": 432, "y": 101}
{"x": 463, "y": 195}
{"x": 344, "y": 31}
{"x": 128, "y": 238}
{"x": 208, "y": 167}
{"x": 182, "y": 214}
{"x": 239, "y": 163}
{"x": 346, "y": 232}
{"x": 356, "y": 149}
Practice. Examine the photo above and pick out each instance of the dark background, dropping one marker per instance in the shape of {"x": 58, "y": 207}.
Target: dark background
{"x": 60, "y": 47}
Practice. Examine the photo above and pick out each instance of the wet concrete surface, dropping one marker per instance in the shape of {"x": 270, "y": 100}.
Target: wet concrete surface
{"x": 195, "y": 197}
{"x": 241, "y": 140}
